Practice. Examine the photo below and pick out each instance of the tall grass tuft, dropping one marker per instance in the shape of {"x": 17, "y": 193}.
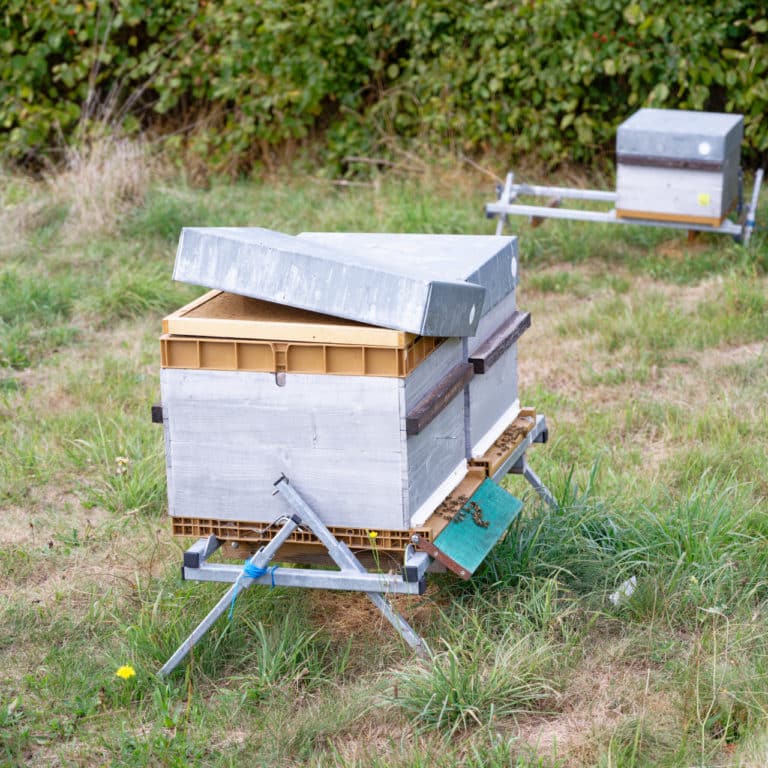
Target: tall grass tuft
{"x": 284, "y": 655}
{"x": 145, "y": 290}
{"x": 575, "y": 543}
{"x": 34, "y": 316}
{"x": 128, "y": 467}
{"x": 700, "y": 550}
{"x": 475, "y": 681}
{"x": 103, "y": 180}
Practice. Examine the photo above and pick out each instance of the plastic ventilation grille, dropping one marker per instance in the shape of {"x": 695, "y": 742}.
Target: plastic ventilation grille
{"x": 251, "y": 533}
{"x": 293, "y": 357}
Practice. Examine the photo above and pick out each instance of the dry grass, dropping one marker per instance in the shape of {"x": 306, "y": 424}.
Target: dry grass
{"x": 22, "y": 208}
{"x": 607, "y": 689}
{"x": 754, "y": 753}
{"x": 103, "y": 180}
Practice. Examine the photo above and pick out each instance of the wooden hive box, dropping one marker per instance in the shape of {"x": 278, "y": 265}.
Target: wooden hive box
{"x": 373, "y": 424}
{"x": 678, "y": 165}
{"x": 491, "y": 398}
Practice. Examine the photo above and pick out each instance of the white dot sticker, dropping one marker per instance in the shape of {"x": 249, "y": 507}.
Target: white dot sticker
{"x": 472, "y": 315}
{"x": 705, "y": 148}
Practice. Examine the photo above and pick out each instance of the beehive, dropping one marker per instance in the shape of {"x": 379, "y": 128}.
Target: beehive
{"x": 678, "y": 165}
{"x": 373, "y": 424}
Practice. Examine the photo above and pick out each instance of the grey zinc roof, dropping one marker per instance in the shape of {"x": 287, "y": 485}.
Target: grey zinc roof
{"x": 427, "y": 284}
{"x": 680, "y": 134}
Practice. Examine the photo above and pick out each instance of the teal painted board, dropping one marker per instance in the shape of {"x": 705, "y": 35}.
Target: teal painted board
{"x": 467, "y": 539}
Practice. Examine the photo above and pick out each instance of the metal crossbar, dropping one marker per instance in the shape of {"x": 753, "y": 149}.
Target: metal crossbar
{"x": 352, "y": 574}
{"x": 507, "y": 205}
{"x": 261, "y": 560}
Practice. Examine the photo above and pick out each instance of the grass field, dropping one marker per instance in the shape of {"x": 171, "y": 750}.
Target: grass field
{"x": 649, "y": 356}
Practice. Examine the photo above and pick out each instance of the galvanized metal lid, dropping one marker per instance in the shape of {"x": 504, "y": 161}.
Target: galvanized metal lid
{"x": 485, "y": 260}
{"x": 708, "y": 138}
{"x": 433, "y": 285}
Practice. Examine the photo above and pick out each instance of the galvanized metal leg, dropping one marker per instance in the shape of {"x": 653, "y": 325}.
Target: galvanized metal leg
{"x": 521, "y": 467}
{"x": 506, "y": 205}
{"x": 505, "y": 197}
{"x": 343, "y": 556}
{"x": 749, "y": 224}
{"x": 260, "y": 560}
{"x": 538, "y": 486}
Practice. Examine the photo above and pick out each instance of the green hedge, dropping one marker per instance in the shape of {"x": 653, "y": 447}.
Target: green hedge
{"x": 232, "y": 79}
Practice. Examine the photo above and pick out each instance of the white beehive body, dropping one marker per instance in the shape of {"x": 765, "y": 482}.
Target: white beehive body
{"x": 374, "y": 449}
{"x": 231, "y": 434}
{"x": 678, "y": 165}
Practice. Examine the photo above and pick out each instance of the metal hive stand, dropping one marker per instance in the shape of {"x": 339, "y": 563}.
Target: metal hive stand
{"x": 507, "y": 205}
{"x": 352, "y": 574}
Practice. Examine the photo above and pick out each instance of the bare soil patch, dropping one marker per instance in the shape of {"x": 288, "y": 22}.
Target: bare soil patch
{"x": 606, "y": 690}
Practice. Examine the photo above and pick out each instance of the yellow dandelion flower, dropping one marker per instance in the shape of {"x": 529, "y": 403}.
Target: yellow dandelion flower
{"x": 126, "y": 672}
{"x": 372, "y": 534}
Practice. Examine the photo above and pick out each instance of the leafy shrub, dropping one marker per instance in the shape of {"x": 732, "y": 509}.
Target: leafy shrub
{"x": 239, "y": 79}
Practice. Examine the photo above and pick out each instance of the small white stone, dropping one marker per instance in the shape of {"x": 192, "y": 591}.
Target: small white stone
{"x": 624, "y": 592}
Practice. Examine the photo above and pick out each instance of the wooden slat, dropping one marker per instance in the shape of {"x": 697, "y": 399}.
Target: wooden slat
{"x": 500, "y": 341}
{"x": 182, "y": 311}
{"x": 453, "y": 502}
{"x": 680, "y": 163}
{"x": 509, "y": 439}
{"x": 436, "y": 400}
{"x": 682, "y": 218}
{"x": 443, "y": 559}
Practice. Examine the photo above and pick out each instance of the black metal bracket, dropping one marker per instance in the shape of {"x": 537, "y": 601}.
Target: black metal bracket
{"x": 199, "y": 552}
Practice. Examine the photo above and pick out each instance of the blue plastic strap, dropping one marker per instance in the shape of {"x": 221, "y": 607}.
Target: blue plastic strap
{"x": 250, "y": 571}
{"x": 253, "y": 571}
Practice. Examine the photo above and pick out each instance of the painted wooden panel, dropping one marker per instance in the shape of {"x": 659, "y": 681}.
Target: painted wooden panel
{"x": 491, "y": 395}
{"x": 685, "y": 194}
{"x": 231, "y": 434}
{"x": 435, "y": 368}
{"x": 434, "y": 455}
{"x": 335, "y": 412}
{"x": 479, "y": 526}
{"x": 230, "y": 483}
